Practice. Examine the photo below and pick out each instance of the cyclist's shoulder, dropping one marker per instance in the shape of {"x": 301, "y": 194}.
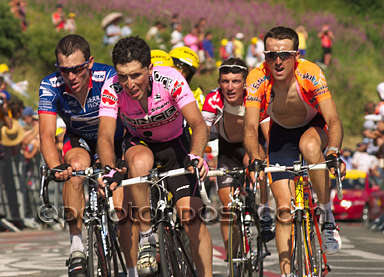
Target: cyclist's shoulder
{"x": 102, "y": 72}
{"x": 213, "y": 100}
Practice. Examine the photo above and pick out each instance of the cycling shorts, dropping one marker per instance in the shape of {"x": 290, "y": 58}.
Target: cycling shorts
{"x": 230, "y": 156}
{"x": 72, "y": 140}
{"x": 171, "y": 154}
{"x": 284, "y": 145}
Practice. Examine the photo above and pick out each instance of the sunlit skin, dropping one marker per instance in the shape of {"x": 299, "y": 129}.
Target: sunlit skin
{"x": 135, "y": 80}
{"x": 282, "y": 71}
{"x": 232, "y": 86}
{"x": 76, "y": 83}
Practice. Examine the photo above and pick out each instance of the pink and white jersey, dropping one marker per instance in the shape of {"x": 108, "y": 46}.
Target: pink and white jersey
{"x": 164, "y": 121}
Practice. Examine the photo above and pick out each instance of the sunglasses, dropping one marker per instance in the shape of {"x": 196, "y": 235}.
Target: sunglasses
{"x": 77, "y": 69}
{"x": 234, "y": 68}
{"x": 283, "y": 55}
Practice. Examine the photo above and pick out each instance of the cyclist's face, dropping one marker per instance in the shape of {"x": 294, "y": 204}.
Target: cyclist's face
{"x": 232, "y": 85}
{"x": 134, "y": 78}
{"x": 78, "y": 81}
{"x": 281, "y": 69}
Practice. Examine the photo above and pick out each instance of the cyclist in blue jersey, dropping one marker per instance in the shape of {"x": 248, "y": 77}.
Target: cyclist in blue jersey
{"x": 73, "y": 92}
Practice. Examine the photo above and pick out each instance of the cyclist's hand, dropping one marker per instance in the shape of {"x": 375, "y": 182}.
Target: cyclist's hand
{"x": 202, "y": 165}
{"x": 62, "y": 172}
{"x": 251, "y": 172}
{"x": 121, "y": 166}
{"x": 113, "y": 178}
{"x": 331, "y": 164}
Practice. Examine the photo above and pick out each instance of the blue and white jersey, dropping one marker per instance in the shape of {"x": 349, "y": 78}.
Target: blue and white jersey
{"x": 55, "y": 98}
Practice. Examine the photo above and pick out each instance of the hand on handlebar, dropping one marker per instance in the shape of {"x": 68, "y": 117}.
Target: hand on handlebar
{"x": 113, "y": 178}
{"x": 255, "y": 169}
{"x": 202, "y": 165}
{"x": 332, "y": 161}
{"x": 62, "y": 172}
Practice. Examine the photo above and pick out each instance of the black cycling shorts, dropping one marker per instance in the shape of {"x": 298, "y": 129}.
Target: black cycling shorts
{"x": 171, "y": 154}
{"x": 72, "y": 140}
{"x": 284, "y": 145}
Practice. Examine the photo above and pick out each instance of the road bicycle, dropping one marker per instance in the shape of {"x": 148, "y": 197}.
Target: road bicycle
{"x": 307, "y": 257}
{"x": 246, "y": 249}
{"x": 100, "y": 220}
{"x": 175, "y": 259}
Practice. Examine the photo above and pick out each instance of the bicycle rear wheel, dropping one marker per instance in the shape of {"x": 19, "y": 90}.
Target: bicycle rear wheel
{"x": 168, "y": 260}
{"x": 236, "y": 244}
{"x": 96, "y": 260}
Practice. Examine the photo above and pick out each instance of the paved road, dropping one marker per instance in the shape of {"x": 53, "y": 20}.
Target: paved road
{"x": 43, "y": 253}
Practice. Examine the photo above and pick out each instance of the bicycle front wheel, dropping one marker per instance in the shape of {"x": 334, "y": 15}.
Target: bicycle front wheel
{"x": 168, "y": 260}
{"x": 96, "y": 261}
{"x": 297, "y": 247}
{"x": 236, "y": 244}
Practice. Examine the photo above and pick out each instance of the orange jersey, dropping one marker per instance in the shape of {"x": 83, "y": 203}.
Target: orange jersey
{"x": 309, "y": 77}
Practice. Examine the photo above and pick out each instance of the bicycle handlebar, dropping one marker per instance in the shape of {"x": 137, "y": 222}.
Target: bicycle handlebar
{"x": 154, "y": 178}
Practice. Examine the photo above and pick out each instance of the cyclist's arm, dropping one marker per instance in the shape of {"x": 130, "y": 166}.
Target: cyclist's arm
{"x": 335, "y": 128}
{"x": 251, "y": 139}
{"x": 47, "y": 132}
{"x": 105, "y": 141}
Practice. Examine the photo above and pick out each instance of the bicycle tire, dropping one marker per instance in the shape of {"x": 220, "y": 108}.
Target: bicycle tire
{"x": 297, "y": 250}
{"x": 235, "y": 244}
{"x": 113, "y": 252}
{"x": 95, "y": 249}
{"x": 185, "y": 261}
{"x": 168, "y": 259}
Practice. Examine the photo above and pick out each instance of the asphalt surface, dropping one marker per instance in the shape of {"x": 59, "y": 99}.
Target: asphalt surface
{"x": 43, "y": 253}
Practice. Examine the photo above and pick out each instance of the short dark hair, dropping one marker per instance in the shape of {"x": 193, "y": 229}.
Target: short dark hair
{"x": 281, "y": 33}
{"x": 234, "y": 61}
{"x": 131, "y": 49}
{"x": 70, "y": 44}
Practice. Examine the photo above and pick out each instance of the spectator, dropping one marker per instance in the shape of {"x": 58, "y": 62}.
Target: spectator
{"x": 251, "y": 57}
{"x": 209, "y": 51}
{"x": 379, "y": 109}
{"x": 112, "y": 32}
{"x": 201, "y": 24}
{"x": 58, "y": 18}
{"x": 13, "y": 136}
{"x": 222, "y": 52}
{"x": 361, "y": 160}
{"x": 70, "y": 25}
{"x": 369, "y": 125}
{"x": 177, "y": 38}
{"x": 191, "y": 39}
{"x": 326, "y": 37}
{"x": 239, "y": 46}
{"x": 31, "y": 148}
{"x": 5, "y": 113}
{"x": 126, "y": 30}
{"x": 303, "y": 36}
{"x": 230, "y": 47}
{"x": 30, "y": 124}
{"x": 153, "y": 32}
{"x": 175, "y": 21}
{"x": 18, "y": 9}
{"x": 346, "y": 156}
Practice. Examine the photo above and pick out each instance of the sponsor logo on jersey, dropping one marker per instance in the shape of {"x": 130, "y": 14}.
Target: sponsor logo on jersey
{"x": 160, "y": 107}
{"x": 45, "y": 93}
{"x": 99, "y": 76}
{"x": 177, "y": 89}
{"x": 56, "y": 81}
{"x": 117, "y": 87}
{"x": 108, "y": 98}
{"x": 165, "y": 80}
{"x": 157, "y": 97}
{"x": 156, "y": 120}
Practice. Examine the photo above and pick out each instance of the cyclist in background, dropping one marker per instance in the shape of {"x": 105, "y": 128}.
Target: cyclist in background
{"x": 187, "y": 62}
{"x": 73, "y": 92}
{"x": 294, "y": 93}
{"x": 153, "y": 103}
{"x": 224, "y": 111}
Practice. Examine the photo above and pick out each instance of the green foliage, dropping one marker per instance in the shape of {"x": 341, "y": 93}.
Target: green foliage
{"x": 11, "y": 37}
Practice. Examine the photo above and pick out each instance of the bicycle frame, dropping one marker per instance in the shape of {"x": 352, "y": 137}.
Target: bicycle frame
{"x": 95, "y": 217}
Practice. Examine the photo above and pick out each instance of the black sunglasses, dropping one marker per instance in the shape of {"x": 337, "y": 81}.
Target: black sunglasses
{"x": 77, "y": 69}
{"x": 283, "y": 55}
{"x": 233, "y": 68}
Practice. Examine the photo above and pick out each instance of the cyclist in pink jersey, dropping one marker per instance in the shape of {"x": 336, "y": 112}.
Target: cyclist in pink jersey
{"x": 153, "y": 101}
